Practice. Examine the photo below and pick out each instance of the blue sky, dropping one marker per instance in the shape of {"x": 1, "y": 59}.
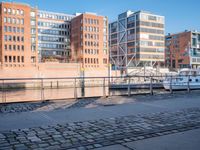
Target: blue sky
{"x": 179, "y": 14}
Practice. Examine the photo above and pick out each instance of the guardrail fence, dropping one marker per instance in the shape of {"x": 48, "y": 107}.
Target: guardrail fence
{"x": 40, "y": 89}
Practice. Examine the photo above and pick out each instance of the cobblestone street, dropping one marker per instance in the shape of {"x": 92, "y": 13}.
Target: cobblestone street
{"x": 78, "y": 125}
{"x": 103, "y": 132}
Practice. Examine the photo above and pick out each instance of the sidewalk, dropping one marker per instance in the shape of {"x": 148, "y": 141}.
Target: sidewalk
{"x": 125, "y": 123}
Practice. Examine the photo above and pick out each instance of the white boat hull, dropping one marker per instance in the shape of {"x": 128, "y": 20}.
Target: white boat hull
{"x": 181, "y": 86}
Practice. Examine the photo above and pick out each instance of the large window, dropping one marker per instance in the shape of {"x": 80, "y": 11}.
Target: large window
{"x": 5, "y": 19}
{"x": 33, "y": 23}
{"x": 194, "y": 42}
{"x": 5, "y": 10}
{"x": 32, "y": 14}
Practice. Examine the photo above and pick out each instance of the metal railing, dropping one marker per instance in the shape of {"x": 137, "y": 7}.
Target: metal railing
{"x": 41, "y": 89}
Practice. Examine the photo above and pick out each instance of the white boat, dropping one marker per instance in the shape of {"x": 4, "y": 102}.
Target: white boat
{"x": 185, "y": 79}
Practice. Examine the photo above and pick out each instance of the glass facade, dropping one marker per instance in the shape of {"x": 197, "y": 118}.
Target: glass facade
{"x": 53, "y": 36}
{"x": 137, "y": 38}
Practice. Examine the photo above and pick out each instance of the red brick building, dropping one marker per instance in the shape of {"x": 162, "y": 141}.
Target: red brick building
{"x": 182, "y": 50}
{"x": 18, "y": 47}
{"x": 89, "y": 40}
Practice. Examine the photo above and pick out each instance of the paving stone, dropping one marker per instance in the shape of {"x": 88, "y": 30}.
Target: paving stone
{"x": 103, "y": 132}
{"x": 34, "y": 139}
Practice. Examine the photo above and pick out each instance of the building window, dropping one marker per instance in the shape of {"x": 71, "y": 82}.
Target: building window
{"x": 9, "y": 29}
{"x": 22, "y": 59}
{"x": 17, "y": 12}
{"x": 14, "y": 58}
{"x": 33, "y": 23}
{"x": 5, "y": 47}
{"x": 33, "y": 48}
{"x": 22, "y": 47}
{"x": 5, "y": 19}
{"x": 105, "y": 61}
{"x": 22, "y": 12}
{"x": 9, "y": 38}
{"x": 33, "y": 39}
{"x": 18, "y": 47}
{"x": 10, "y": 59}
{"x": 18, "y": 39}
{"x": 22, "y": 30}
{"x": 14, "y": 29}
{"x": 5, "y": 28}
{"x": 14, "y": 38}
{"x": 22, "y": 21}
{"x": 9, "y": 11}
{"x": 14, "y": 21}
{"x": 5, "y": 38}
{"x": 17, "y": 21}
{"x": 6, "y": 58}
{"x": 14, "y": 47}
{"x": 5, "y": 10}
{"x": 13, "y": 12}
{"x": 22, "y": 39}
{"x": 10, "y": 47}
{"x": 33, "y": 60}
{"x": 18, "y": 58}
{"x": 9, "y": 20}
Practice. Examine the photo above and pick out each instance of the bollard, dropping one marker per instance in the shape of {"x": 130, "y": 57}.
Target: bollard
{"x": 129, "y": 88}
{"x": 188, "y": 84}
{"x": 75, "y": 89}
{"x": 151, "y": 86}
{"x": 171, "y": 90}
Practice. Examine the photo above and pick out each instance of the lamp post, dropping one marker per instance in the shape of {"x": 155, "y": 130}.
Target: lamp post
{"x": 82, "y": 82}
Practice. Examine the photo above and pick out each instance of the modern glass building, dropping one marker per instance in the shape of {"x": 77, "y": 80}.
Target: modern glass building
{"x": 136, "y": 39}
{"x": 53, "y": 36}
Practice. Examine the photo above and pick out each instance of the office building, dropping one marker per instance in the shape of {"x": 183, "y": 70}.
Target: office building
{"x": 30, "y": 36}
{"x": 89, "y": 40}
{"x": 183, "y": 50}
{"x": 53, "y": 36}
{"x": 137, "y": 39}
{"x": 18, "y": 46}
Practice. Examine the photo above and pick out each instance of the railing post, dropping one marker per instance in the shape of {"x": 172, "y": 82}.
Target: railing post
{"x": 75, "y": 89}
{"x": 42, "y": 90}
{"x": 188, "y": 84}
{"x": 151, "y": 86}
{"x": 3, "y": 93}
{"x": 57, "y": 84}
{"x": 104, "y": 87}
{"x": 171, "y": 90}
{"x": 129, "y": 88}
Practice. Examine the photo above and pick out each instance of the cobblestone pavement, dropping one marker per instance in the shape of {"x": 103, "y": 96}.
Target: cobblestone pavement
{"x": 88, "y": 102}
{"x": 99, "y": 133}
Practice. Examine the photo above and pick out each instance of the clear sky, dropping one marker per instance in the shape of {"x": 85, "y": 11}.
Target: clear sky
{"x": 179, "y": 14}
